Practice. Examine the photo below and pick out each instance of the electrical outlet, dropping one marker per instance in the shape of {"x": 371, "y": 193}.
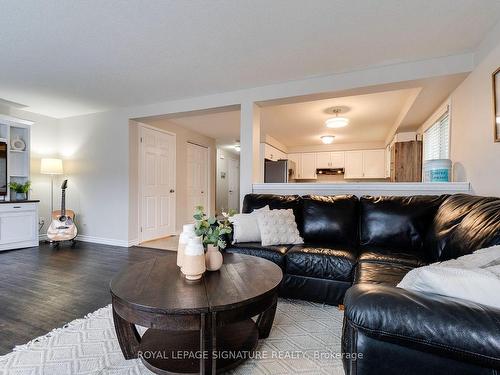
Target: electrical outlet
{"x": 41, "y": 221}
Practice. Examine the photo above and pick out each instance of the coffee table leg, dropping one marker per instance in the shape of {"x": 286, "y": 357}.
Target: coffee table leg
{"x": 265, "y": 321}
{"x": 128, "y": 337}
{"x": 208, "y": 332}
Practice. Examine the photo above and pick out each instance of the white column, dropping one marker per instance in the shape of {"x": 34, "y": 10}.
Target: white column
{"x": 250, "y": 148}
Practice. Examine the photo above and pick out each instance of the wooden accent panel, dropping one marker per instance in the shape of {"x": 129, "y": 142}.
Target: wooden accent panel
{"x": 406, "y": 161}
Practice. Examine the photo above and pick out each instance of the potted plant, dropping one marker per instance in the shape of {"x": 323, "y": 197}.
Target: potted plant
{"x": 213, "y": 234}
{"x": 20, "y": 190}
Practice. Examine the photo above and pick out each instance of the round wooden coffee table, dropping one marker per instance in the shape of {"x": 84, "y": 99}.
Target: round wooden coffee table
{"x": 195, "y": 327}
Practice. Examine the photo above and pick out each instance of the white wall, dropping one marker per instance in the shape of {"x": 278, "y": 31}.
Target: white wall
{"x": 475, "y": 156}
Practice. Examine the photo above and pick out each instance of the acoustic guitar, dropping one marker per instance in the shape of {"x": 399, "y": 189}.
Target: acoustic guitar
{"x": 62, "y": 227}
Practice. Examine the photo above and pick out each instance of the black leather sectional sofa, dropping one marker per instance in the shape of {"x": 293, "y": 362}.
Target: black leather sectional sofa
{"x": 356, "y": 251}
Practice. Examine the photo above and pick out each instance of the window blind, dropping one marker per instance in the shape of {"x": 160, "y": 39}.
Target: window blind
{"x": 437, "y": 139}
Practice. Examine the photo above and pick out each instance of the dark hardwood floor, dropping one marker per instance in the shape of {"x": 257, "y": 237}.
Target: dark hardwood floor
{"x": 43, "y": 288}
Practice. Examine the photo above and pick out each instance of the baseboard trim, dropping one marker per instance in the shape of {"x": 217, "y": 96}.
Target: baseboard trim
{"x": 99, "y": 240}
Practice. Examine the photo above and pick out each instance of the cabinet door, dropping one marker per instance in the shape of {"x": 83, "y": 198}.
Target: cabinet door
{"x": 296, "y": 158}
{"x": 308, "y": 166}
{"x": 353, "y": 164}
{"x": 269, "y": 152}
{"x": 337, "y": 159}
{"x": 18, "y": 227}
{"x": 323, "y": 160}
{"x": 374, "y": 163}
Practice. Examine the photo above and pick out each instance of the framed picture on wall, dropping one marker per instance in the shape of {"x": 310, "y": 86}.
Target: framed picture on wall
{"x": 496, "y": 104}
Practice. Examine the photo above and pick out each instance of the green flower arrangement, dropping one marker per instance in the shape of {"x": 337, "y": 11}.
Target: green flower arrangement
{"x": 211, "y": 229}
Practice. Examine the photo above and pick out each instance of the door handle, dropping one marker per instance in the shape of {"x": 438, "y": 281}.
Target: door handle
{"x": 202, "y": 192}
{"x": 230, "y": 191}
{"x": 172, "y": 190}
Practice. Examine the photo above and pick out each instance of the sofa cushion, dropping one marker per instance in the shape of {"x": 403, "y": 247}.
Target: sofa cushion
{"x": 393, "y": 256}
{"x": 275, "y": 202}
{"x": 464, "y": 224}
{"x": 330, "y": 219}
{"x": 397, "y": 222}
{"x": 381, "y": 273}
{"x": 321, "y": 262}
{"x": 273, "y": 253}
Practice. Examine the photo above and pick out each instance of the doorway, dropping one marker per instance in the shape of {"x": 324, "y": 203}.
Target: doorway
{"x": 157, "y": 183}
{"x": 197, "y": 179}
{"x": 233, "y": 182}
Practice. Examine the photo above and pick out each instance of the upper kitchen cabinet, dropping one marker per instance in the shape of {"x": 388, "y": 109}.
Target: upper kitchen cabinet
{"x": 365, "y": 164}
{"x": 327, "y": 160}
{"x": 272, "y": 153}
{"x": 305, "y": 165}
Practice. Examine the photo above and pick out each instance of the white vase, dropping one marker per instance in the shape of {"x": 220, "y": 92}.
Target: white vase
{"x": 193, "y": 262}
{"x": 187, "y": 233}
{"x": 213, "y": 258}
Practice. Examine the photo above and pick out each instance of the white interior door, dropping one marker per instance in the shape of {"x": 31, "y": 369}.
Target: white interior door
{"x": 197, "y": 179}
{"x": 157, "y": 210}
{"x": 233, "y": 182}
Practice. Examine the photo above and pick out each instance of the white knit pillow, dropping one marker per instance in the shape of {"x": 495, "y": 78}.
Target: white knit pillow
{"x": 278, "y": 227}
{"x": 245, "y": 226}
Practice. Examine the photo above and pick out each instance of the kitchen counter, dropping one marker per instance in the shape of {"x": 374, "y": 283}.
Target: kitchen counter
{"x": 365, "y": 188}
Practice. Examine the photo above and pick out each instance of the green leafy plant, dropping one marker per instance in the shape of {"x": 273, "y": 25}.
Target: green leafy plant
{"x": 20, "y": 188}
{"x": 211, "y": 229}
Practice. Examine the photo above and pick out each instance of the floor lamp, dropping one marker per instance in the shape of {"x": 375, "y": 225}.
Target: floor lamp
{"x": 51, "y": 167}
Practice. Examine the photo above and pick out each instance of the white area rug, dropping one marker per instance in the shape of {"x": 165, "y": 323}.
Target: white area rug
{"x": 305, "y": 339}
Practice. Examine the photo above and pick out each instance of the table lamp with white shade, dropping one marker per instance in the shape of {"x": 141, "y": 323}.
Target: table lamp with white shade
{"x": 52, "y": 167}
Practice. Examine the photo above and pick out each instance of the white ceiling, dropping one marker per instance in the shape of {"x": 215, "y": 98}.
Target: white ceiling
{"x": 64, "y": 58}
{"x": 371, "y": 116}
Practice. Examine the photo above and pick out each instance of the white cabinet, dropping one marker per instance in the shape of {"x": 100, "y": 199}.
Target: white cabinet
{"x": 326, "y": 160}
{"x": 305, "y": 165}
{"x": 353, "y": 164}
{"x": 272, "y": 153}
{"x": 374, "y": 163}
{"x": 308, "y": 167}
{"x": 365, "y": 164}
{"x": 18, "y": 225}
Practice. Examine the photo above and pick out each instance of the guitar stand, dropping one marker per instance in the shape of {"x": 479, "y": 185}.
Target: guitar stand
{"x": 57, "y": 243}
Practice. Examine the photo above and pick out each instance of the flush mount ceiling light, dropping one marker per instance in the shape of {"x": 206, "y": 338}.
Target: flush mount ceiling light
{"x": 327, "y": 139}
{"x": 336, "y": 122}
{"x": 237, "y": 148}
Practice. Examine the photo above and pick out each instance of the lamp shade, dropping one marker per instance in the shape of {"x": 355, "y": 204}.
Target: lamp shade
{"x": 51, "y": 166}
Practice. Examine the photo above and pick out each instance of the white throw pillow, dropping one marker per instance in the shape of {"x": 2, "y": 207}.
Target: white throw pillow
{"x": 474, "y": 277}
{"x": 278, "y": 227}
{"x": 245, "y": 226}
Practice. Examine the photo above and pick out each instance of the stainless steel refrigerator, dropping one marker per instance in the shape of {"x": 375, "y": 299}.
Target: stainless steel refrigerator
{"x": 280, "y": 171}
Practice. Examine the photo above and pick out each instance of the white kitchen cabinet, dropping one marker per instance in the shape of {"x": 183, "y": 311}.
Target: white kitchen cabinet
{"x": 374, "y": 164}
{"x": 308, "y": 166}
{"x": 305, "y": 165}
{"x": 353, "y": 164}
{"x": 18, "y": 225}
{"x": 365, "y": 164}
{"x": 272, "y": 153}
{"x": 323, "y": 160}
{"x": 326, "y": 160}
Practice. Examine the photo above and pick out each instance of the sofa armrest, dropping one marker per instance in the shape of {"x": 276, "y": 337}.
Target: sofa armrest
{"x": 458, "y": 329}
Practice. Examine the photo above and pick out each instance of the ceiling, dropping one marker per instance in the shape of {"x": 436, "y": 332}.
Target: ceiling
{"x": 370, "y": 118}
{"x": 67, "y": 58}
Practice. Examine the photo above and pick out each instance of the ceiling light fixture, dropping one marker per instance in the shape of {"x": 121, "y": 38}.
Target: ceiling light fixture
{"x": 237, "y": 148}
{"x": 498, "y": 120}
{"x": 336, "y": 122}
{"x": 327, "y": 139}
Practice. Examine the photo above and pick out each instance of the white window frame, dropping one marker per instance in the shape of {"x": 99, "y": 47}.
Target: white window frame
{"x": 438, "y": 123}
